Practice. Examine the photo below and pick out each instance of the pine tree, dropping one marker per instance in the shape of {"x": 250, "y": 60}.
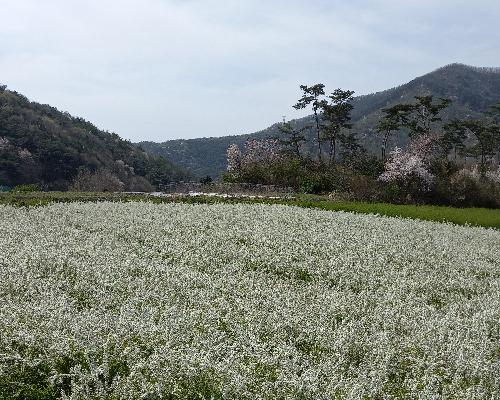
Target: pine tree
{"x": 313, "y": 96}
{"x": 337, "y": 117}
{"x": 292, "y": 138}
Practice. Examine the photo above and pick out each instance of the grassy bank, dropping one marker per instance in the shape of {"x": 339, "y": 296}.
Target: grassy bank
{"x": 460, "y": 216}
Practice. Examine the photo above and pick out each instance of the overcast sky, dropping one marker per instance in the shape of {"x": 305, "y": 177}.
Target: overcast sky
{"x": 164, "y": 69}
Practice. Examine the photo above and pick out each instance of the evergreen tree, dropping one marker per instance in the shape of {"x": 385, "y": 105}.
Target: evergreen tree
{"x": 419, "y": 118}
{"x": 292, "y": 138}
{"x": 392, "y": 121}
{"x": 425, "y": 114}
{"x": 351, "y": 150}
{"x": 313, "y": 96}
{"x": 487, "y": 137}
{"x": 337, "y": 117}
{"x": 453, "y": 139}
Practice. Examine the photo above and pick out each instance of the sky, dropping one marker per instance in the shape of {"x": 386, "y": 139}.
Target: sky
{"x": 167, "y": 69}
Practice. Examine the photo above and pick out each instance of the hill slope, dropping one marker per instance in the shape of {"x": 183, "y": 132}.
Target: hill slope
{"x": 472, "y": 90}
{"x": 39, "y": 144}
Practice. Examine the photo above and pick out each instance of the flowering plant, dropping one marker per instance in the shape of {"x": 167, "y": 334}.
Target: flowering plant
{"x": 238, "y": 301}
{"x": 263, "y": 151}
{"x": 411, "y": 163}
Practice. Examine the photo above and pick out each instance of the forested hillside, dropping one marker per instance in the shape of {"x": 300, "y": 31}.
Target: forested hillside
{"x": 40, "y": 144}
{"x": 471, "y": 89}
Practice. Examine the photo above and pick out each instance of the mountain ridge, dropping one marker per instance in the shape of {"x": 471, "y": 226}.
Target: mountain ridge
{"x": 40, "y": 144}
{"x": 472, "y": 90}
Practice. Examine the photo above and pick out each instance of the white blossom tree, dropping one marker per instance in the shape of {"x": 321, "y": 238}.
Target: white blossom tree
{"x": 405, "y": 165}
{"x": 264, "y": 151}
{"x": 233, "y": 158}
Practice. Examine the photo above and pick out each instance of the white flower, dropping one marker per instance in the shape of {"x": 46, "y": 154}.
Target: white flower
{"x": 494, "y": 175}
{"x": 137, "y": 300}
{"x": 24, "y": 154}
{"x": 475, "y": 174}
{"x": 4, "y": 143}
{"x": 403, "y": 165}
{"x": 233, "y": 158}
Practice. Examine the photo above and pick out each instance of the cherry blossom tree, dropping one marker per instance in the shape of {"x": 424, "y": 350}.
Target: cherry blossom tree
{"x": 264, "y": 151}
{"x": 412, "y": 163}
{"x": 233, "y": 158}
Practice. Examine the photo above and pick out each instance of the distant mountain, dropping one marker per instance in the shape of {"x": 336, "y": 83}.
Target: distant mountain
{"x": 39, "y": 144}
{"x": 472, "y": 90}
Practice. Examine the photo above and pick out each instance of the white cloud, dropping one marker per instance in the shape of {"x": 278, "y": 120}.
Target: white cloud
{"x": 159, "y": 69}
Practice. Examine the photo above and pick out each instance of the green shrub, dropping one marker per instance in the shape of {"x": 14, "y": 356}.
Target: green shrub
{"x": 364, "y": 188}
{"x": 463, "y": 190}
{"x": 28, "y": 188}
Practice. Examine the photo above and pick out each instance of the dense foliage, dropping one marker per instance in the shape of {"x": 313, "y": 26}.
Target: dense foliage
{"x": 39, "y": 144}
{"x": 177, "y": 301}
{"x": 445, "y": 163}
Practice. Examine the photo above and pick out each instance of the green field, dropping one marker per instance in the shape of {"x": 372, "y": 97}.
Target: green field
{"x": 461, "y": 216}
{"x": 484, "y": 217}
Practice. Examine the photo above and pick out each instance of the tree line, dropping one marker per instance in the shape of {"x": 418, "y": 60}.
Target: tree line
{"x": 453, "y": 162}
{"x": 54, "y": 150}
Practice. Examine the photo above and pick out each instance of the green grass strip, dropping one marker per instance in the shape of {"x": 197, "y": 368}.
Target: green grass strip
{"x": 484, "y": 217}
{"x": 461, "y": 216}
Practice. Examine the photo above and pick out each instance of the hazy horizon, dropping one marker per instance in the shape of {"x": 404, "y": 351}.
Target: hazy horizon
{"x": 166, "y": 69}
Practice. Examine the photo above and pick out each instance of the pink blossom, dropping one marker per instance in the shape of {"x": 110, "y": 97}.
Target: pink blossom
{"x": 475, "y": 174}
{"x": 261, "y": 151}
{"x": 233, "y": 158}
{"x": 424, "y": 146}
{"x": 24, "y": 154}
{"x": 413, "y": 162}
{"x": 403, "y": 165}
{"x": 264, "y": 151}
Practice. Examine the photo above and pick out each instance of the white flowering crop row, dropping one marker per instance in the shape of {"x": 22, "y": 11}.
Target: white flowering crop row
{"x": 179, "y": 301}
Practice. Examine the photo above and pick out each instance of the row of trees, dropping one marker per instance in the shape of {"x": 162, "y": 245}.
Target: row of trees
{"x": 436, "y": 154}
{"x": 332, "y": 117}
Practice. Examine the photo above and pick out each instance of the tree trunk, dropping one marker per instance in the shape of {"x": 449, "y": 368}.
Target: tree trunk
{"x": 333, "y": 150}
{"x": 384, "y": 146}
{"x": 318, "y": 136}
{"x": 330, "y": 153}
{"x": 297, "y": 149}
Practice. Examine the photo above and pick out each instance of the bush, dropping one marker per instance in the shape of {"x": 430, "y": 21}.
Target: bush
{"x": 27, "y": 188}
{"x": 102, "y": 180}
{"x": 305, "y": 176}
{"x": 364, "y": 188}
{"x": 411, "y": 190}
{"x": 328, "y": 180}
{"x": 360, "y": 181}
{"x": 465, "y": 191}
{"x": 139, "y": 184}
{"x": 466, "y": 187}
{"x": 285, "y": 172}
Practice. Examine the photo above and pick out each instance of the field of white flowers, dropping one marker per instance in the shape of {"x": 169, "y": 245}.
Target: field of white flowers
{"x": 179, "y": 301}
